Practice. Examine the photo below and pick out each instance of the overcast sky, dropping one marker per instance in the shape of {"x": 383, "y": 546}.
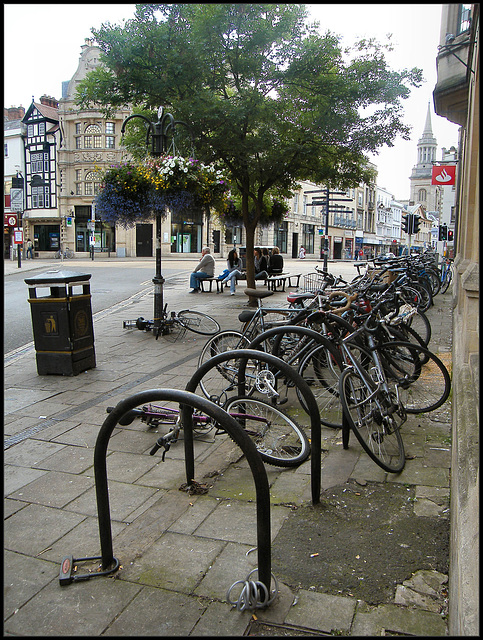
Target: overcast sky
{"x": 43, "y": 44}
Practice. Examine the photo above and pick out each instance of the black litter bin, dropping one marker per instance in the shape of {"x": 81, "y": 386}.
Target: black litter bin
{"x": 62, "y": 323}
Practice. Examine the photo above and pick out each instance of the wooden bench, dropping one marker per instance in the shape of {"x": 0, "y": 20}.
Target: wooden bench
{"x": 219, "y": 285}
{"x": 279, "y": 280}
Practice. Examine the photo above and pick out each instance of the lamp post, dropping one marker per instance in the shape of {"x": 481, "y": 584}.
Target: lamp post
{"x": 158, "y": 131}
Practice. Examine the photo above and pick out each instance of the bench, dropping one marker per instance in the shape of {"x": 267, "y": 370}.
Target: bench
{"x": 279, "y": 279}
{"x": 219, "y": 285}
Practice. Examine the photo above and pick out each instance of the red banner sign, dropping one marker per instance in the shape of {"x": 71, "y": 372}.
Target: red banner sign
{"x": 443, "y": 175}
{"x": 9, "y": 220}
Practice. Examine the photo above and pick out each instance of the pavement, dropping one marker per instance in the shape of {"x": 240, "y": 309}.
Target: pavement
{"x": 180, "y": 553}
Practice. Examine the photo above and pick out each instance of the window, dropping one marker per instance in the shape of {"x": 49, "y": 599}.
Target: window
{"x": 464, "y": 18}
{"x": 78, "y": 189}
{"x": 30, "y": 131}
{"x": 47, "y": 197}
{"x": 110, "y": 127}
{"x": 87, "y": 142}
{"x": 92, "y": 183}
{"x": 37, "y": 197}
{"x": 97, "y": 142}
{"x": 41, "y": 128}
{"x": 78, "y": 143}
{"x": 36, "y": 163}
{"x": 78, "y": 128}
{"x": 422, "y": 195}
{"x": 110, "y": 142}
{"x": 5, "y": 149}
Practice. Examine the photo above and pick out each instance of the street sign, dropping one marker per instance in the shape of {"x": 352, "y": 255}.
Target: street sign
{"x": 10, "y": 219}
{"x": 16, "y": 199}
{"x": 18, "y": 236}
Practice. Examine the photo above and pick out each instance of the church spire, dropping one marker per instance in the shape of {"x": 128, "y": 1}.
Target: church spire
{"x": 428, "y": 130}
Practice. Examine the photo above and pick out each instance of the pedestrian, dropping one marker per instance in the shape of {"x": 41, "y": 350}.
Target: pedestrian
{"x": 30, "y": 249}
{"x": 234, "y": 266}
{"x": 261, "y": 265}
{"x": 361, "y": 254}
{"x": 204, "y": 270}
{"x": 276, "y": 262}
{"x": 302, "y": 252}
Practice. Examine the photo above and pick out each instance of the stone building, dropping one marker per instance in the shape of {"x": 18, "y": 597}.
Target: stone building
{"x": 89, "y": 141}
{"x": 457, "y": 98}
{"x": 421, "y": 190}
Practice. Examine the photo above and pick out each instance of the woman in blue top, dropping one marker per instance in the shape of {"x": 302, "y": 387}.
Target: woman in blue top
{"x": 234, "y": 266}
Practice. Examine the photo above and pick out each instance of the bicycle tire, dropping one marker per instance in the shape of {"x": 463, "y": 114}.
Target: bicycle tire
{"x": 417, "y": 371}
{"x": 198, "y": 322}
{"x": 282, "y": 443}
{"x": 420, "y": 323}
{"x": 425, "y": 294}
{"x": 321, "y": 369}
{"x": 57, "y": 254}
{"x": 69, "y": 253}
{"x": 223, "y": 341}
{"x": 447, "y": 281}
{"x": 382, "y": 442}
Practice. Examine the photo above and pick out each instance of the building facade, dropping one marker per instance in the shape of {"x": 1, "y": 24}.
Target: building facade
{"x": 13, "y": 168}
{"x": 42, "y": 140}
{"x": 457, "y": 98}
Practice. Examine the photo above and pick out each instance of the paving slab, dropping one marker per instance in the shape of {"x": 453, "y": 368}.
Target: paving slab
{"x": 397, "y": 620}
{"x": 63, "y": 611}
{"x": 322, "y": 612}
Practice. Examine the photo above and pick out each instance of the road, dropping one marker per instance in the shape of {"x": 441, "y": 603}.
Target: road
{"x": 111, "y": 283}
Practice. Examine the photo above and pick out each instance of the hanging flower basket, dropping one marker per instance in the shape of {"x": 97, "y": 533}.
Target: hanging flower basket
{"x": 132, "y": 193}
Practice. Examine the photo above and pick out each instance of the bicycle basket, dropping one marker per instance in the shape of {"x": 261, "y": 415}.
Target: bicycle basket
{"x": 313, "y": 282}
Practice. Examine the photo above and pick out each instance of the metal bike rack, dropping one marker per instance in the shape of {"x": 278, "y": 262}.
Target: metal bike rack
{"x": 188, "y": 401}
{"x": 243, "y": 355}
{"x": 316, "y": 438}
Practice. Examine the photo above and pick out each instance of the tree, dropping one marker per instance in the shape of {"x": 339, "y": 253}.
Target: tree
{"x": 263, "y": 93}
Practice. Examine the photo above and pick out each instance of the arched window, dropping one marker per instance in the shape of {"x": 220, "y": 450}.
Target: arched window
{"x": 422, "y": 195}
{"x": 92, "y": 137}
{"x": 92, "y": 183}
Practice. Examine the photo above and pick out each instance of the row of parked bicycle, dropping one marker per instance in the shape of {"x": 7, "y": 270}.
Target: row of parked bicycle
{"x": 361, "y": 347}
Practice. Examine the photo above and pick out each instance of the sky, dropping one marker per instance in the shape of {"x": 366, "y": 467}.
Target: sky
{"x": 43, "y": 45}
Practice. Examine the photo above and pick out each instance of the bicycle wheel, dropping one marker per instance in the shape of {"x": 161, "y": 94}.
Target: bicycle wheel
{"x": 425, "y": 295}
{"x": 69, "y": 253}
{"x": 377, "y": 430}
{"x": 447, "y": 281}
{"x": 226, "y": 372}
{"x": 57, "y": 254}
{"x": 420, "y": 323}
{"x": 198, "y": 322}
{"x": 423, "y": 379}
{"x": 278, "y": 438}
{"x": 321, "y": 369}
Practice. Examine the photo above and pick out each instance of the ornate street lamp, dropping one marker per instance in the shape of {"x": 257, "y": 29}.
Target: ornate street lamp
{"x": 158, "y": 132}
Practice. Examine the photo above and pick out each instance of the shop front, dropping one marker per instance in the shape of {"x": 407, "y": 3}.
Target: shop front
{"x": 187, "y": 232}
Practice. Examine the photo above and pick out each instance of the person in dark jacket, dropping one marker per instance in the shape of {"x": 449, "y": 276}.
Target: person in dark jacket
{"x": 276, "y": 262}
{"x": 261, "y": 265}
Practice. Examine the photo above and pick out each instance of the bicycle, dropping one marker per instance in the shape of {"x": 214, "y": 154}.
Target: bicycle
{"x": 194, "y": 321}
{"x": 256, "y": 323}
{"x": 67, "y": 253}
{"x": 277, "y": 437}
{"x": 446, "y": 274}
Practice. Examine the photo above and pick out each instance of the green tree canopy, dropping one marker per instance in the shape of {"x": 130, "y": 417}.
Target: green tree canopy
{"x": 264, "y": 93}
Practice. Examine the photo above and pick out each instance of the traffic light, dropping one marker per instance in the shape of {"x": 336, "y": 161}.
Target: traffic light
{"x": 416, "y": 222}
{"x": 443, "y": 232}
{"x": 406, "y": 222}
{"x": 450, "y": 235}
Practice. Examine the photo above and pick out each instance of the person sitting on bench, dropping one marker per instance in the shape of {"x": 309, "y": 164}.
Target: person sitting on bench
{"x": 276, "y": 262}
{"x": 261, "y": 265}
{"x": 204, "y": 270}
{"x": 234, "y": 266}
